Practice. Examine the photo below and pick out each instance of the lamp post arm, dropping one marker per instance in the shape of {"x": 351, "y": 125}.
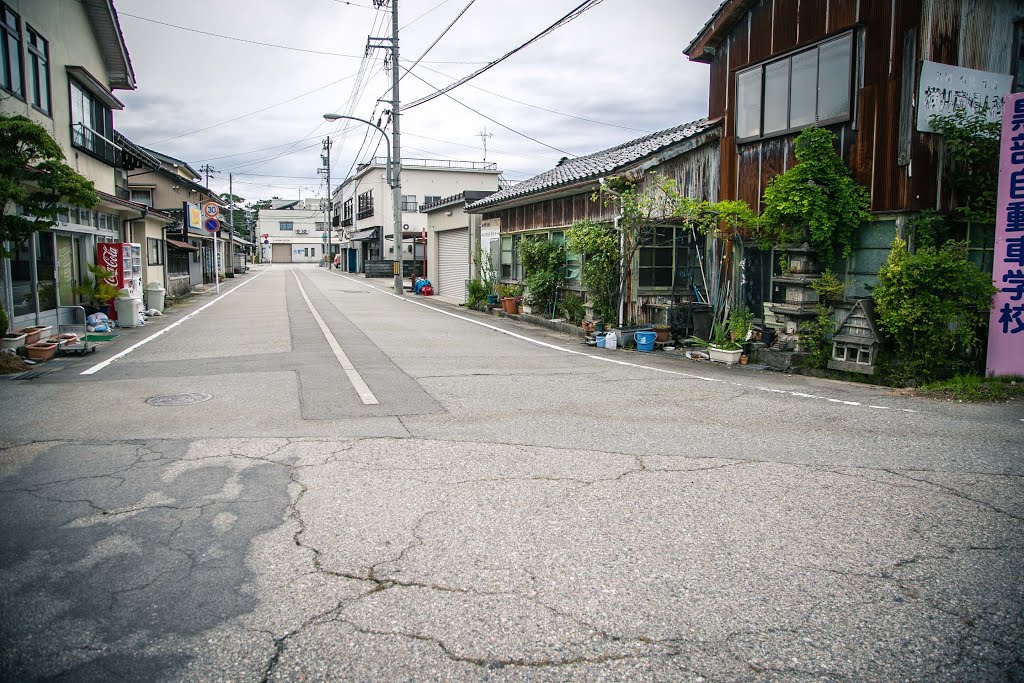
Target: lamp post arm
{"x": 387, "y": 140}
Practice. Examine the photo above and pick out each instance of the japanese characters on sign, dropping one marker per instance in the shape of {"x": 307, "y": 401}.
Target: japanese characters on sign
{"x": 1006, "y": 329}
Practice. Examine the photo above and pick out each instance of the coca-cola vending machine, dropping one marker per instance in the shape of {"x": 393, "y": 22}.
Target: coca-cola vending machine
{"x": 124, "y": 260}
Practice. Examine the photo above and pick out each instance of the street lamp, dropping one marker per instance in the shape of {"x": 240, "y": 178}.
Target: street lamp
{"x": 394, "y": 169}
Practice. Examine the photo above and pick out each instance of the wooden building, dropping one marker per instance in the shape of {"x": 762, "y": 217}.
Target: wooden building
{"x": 547, "y": 204}
{"x": 871, "y": 71}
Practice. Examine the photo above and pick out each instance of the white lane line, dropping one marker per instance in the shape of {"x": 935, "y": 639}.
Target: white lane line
{"x": 99, "y": 366}
{"x": 365, "y": 395}
{"x": 604, "y": 359}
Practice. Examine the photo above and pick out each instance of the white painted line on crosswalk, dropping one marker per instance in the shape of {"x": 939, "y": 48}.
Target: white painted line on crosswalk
{"x": 99, "y": 366}
{"x": 604, "y": 359}
{"x": 365, "y": 395}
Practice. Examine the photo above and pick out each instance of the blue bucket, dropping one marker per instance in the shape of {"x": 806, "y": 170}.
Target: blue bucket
{"x": 600, "y": 341}
{"x": 645, "y": 340}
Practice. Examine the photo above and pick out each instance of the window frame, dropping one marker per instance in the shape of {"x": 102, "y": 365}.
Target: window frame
{"x": 7, "y": 69}
{"x": 365, "y": 205}
{"x": 788, "y": 56}
{"x": 290, "y": 228}
{"x": 152, "y": 242}
{"x": 409, "y": 204}
{"x": 92, "y": 137}
{"x": 679, "y": 247}
{"x": 39, "y": 61}
{"x": 147, "y": 190}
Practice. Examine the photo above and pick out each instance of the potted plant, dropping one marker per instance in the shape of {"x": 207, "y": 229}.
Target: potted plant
{"x": 721, "y": 347}
{"x": 100, "y": 293}
{"x": 663, "y": 332}
{"x": 509, "y": 294}
{"x": 741, "y": 327}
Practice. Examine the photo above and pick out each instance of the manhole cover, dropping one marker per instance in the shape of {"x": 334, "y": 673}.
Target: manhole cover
{"x": 178, "y": 399}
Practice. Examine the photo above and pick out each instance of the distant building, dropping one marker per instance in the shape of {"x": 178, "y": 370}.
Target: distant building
{"x": 364, "y": 213}
{"x": 295, "y": 231}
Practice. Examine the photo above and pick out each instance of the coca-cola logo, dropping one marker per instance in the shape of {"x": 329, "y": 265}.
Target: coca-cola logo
{"x": 110, "y": 263}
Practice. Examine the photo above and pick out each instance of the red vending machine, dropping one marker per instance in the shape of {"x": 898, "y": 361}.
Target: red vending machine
{"x": 124, "y": 260}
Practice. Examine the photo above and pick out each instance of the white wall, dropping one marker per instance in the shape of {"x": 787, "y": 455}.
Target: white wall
{"x": 309, "y": 244}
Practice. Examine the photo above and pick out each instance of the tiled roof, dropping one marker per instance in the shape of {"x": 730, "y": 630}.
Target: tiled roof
{"x": 597, "y": 165}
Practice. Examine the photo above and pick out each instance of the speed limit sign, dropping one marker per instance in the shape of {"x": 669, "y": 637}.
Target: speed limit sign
{"x": 210, "y": 209}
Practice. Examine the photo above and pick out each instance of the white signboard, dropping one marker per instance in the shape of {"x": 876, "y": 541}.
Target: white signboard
{"x": 945, "y": 88}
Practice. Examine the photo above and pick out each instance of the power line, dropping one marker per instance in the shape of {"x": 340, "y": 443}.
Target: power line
{"x": 437, "y": 6}
{"x": 438, "y": 39}
{"x": 495, "y": 121}
{"x": 256, "y": 42}
{"x": 536, "y": 106}
{"x": 237, "y": 118}
{"x": 572, "y": 14}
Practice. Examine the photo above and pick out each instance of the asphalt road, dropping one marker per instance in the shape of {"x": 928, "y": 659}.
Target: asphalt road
{"x": 424, "y": 494}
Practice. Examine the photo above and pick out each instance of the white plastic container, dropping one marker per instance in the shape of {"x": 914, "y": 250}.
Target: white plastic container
{"x": 128, "y": 310}
{"x": 155, "y": 294}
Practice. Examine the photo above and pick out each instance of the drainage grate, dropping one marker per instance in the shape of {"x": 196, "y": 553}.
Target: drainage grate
{"x": 32, "y": 375}
{"x": 178, "y": 399}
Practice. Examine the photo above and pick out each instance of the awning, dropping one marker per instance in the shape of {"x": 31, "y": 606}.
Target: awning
{"x": 363, "y": 234}
{"x": 181, "y": 245}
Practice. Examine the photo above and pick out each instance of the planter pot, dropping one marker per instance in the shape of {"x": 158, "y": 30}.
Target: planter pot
{"x": 508, "y": 304}
{"x": 492, "y": 299}
{"x": 519, "y": 309}
{"x": 41, "y": 350}
{"x": 34, "y": 334}
{"x": 723, "y": 356}
{"x": 14, "y": 340}
{"x": 663, "y": 332}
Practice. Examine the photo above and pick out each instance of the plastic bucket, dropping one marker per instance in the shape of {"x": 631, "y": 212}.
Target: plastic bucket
{"x": 645, "y": 340}
{"x": 600, "y": 341}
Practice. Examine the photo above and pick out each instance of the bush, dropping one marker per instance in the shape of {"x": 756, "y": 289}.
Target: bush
{"x": 816, "y": 338}
{"x": 571, "y": 307}
{"x": 933, "y": 307}
{"x": 544, "y": 267}
{"x": 476, "y": 294}
{"x": 599, "y": 247}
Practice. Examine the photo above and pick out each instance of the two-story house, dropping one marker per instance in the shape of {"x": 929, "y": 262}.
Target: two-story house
{"x": 60, "y": 63}
{"x": 295, "y": 231}
{"x": 870, "y": 72}
{"x": 366, "y": 217}
{"x": 188, "y": 250}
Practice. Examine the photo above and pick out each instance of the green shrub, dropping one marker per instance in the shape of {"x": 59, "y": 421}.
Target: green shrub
{"x": 571, "y": 307}
{"x": 544, "y": 267}
{"x": 599, "y": 247}
{"x": 816, "y": 338}
{"x": 476, "y": 293}
{"x": 933, "y": 307}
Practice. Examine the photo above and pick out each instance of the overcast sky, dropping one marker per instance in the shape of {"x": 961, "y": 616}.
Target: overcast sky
{"x": 619, "y": 64}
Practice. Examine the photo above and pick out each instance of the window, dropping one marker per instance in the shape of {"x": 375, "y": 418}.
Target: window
{"x": 409, "y": 203}
{"x": 811, "y": 86}
{"x": 92, "y": 124}
{"x": 142, "y": 197}
{"x": 154, "y": 248}
{"x": 10, "y": 52}
{"x": 347, "y": 212}
{"x": 38, "y": 71}
{"x": 431, "y": 199}
{"x": 666, "y": 260}
{"x": 285, "y": 226}
{"x": 319, "y": 226}
{"x": 365, "y": 204}
{"x": 511, "y": 269}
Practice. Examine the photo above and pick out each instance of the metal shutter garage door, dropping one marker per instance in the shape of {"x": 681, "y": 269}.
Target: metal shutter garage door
{"x": 282, "y": 253}
{"x": 453, "y": 263}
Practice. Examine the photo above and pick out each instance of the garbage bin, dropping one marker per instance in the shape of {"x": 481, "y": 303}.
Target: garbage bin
{"x": 155, "y": 294}
{"x": 128, "y": 309}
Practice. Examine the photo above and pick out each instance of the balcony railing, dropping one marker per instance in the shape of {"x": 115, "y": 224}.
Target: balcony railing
{"x": 439, "y": 163}
{"x": 95, "y": 143}
{"x": 365, "y": 212}
{"x": 346, "y": 222}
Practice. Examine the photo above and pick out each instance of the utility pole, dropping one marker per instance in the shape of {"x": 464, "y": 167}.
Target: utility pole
{"x": 329, "y": 206}
{"x": 396, "y": 140}
{"x": 209, "y": 170}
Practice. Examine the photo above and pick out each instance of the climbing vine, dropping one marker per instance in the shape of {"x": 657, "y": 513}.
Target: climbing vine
{"x": 599, "y": 246}
{"x": 544, "y": 269}
{"x": 816, "y": 200}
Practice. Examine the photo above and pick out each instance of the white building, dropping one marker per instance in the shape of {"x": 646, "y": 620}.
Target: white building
{"x": 363, "y": 210}
{"x": 61, "y": 62}
{"x": 294, "y": 231}
{"x": 453, "y": 236}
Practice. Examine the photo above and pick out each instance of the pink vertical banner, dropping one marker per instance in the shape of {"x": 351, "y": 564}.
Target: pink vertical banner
{"x": 1006, "y": 329}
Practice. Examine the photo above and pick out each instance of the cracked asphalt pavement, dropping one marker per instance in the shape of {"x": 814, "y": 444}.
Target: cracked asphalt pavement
{"x": 515, "y": 507}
